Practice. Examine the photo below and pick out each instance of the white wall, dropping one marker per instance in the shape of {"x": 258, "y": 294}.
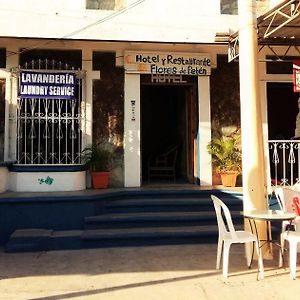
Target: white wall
{"x": 155, "y": 20}
{"x": 47, "y": 181}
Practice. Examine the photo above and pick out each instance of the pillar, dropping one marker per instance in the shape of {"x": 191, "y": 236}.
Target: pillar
{"x": 132, "y": 123}
{"x": 253, "y": 159}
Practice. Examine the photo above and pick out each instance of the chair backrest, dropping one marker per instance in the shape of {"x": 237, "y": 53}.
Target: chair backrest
{"x": 285, "y": 198}
{"x": 224, "y": 219}
{"x": 171, "y": 155}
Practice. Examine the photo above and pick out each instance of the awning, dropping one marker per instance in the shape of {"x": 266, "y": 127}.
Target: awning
{"x": 279, "y": 26}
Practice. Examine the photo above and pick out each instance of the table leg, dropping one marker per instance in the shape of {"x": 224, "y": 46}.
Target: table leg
{"x": 252, "y": 253}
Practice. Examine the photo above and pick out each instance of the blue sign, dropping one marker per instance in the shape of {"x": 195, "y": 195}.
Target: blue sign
{"x": 36, "y": 84}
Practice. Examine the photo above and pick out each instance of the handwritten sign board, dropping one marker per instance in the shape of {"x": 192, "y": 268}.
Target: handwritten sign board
{"x": 37, "y": 84}
{"x": 167, "y": 63}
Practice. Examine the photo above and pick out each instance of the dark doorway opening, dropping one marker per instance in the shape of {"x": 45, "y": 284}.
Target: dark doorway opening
{"x": 165, "y": 117}
{"x": 282, "y": 110}
{"x": 282, "y": 115}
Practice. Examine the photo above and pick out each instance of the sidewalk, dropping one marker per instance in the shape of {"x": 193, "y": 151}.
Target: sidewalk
{"x": 158, "y": 273}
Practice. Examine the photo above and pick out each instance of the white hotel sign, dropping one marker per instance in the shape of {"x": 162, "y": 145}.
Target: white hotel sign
{"x": 167, "y": 63}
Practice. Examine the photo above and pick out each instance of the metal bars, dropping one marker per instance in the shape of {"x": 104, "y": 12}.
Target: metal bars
{"x": 284, "y": 162}
{"x": 279, "y": 18}
{"x": 49, "y": 130}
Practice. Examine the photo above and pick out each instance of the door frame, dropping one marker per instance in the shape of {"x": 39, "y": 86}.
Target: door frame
{"x": 132, "y": 132}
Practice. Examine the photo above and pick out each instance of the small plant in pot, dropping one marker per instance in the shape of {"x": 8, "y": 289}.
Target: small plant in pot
{"x": 98, "y": 159}
{"x": 226, "y": 157}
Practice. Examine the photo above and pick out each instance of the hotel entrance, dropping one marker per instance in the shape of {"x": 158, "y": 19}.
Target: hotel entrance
{"x": 167, "y": 105}
{"x": 169, "y": 116}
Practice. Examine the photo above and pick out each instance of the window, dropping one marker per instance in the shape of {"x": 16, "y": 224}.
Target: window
{"x": 285, "y": 66}
{"x": 229, "y": 7}
{"x": 101, "y": 4}
{"x": 49, "y": 129}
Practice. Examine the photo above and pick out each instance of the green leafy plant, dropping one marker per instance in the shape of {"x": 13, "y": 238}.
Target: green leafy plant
{"x": 226, "y": 154}
{"x": 98, "y": 157}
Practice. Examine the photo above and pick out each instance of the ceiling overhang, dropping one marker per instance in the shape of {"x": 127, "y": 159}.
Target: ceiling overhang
{"x": 279, "y": 26}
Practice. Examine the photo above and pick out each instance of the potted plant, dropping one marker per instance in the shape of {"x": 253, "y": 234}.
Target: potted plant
{"x": 98, "y": 159}
{"x": 227, "y": 158}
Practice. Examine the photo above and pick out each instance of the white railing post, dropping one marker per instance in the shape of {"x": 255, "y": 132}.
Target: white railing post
{"x": 284, "y": 162}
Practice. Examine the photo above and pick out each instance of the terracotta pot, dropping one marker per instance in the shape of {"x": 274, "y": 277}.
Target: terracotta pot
{"x": 100, "y": 180}
{"x": 229, "y": 178}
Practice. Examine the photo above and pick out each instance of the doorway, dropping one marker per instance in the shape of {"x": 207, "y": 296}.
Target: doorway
{"x": 169, "y": 117}
{"x": 282, "y": 115}
{"x": 282, "y": 110}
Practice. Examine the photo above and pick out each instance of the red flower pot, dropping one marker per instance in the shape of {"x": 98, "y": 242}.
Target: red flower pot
{"x": 100, "y": 179}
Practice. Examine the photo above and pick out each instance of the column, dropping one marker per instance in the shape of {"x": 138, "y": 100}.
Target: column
{"x": 87, "y": 109}
{"x": 132, "y": 131}
{"x": 204, "y": 132}
{"x": 11, "y": 94}
{"x": 254, "y": 169}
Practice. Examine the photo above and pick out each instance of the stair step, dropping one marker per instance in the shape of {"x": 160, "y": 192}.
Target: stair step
{"x": 123, "y": 217}
{"x": 168, "y": 201}
{"x": 156, "y": 232}
{"x": 165, "y": 204}
{"x": 154, "y": 216}
{"x": 140, "y": 219}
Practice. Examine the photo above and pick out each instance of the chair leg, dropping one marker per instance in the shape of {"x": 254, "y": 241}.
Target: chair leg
{"x": 249, "y": 258}
{"x": 281, "y": 250}
{"x": 293, "y": 258}
{"x": 226, "y": 258}
{"x": 260, "y": 261}
{"x": 219, "y": 253}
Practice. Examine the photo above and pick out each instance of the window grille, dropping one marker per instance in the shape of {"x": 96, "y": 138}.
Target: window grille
{"x": 229, "y": 7}
{"x": 49, "y": 130}
{"x": 101, "y": 4}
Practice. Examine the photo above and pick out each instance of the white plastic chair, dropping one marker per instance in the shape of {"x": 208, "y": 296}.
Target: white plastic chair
{"x": 285, "y": 197}
{"x": 228, "y": 235}
{"x": 293, "y": 237}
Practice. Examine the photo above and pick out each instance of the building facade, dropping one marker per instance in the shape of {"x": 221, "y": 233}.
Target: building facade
{"x": 140, "y": 75}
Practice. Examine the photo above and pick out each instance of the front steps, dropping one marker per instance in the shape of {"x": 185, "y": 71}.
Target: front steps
{"x": 148, "y": 218}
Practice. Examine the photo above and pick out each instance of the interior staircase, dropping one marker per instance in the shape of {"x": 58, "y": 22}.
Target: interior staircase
{"x": 140, "y": 219}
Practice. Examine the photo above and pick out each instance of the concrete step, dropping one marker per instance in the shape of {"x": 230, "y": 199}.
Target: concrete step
{"x": 155, "y": 219}
{"x": 30, "y": 240}
{"x": 166, "y": 204}
{"x": 132, "y": 219}
{"x": 36, "y": 239}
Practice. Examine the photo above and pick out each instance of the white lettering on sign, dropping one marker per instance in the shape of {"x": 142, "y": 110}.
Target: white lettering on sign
{"x": 44, "y": 84}
{"x": 167, "y": 63}
{"x": 47, "y": 78}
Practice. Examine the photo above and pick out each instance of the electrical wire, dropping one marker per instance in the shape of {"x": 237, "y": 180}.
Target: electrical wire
{"x": 102, "y": 20}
